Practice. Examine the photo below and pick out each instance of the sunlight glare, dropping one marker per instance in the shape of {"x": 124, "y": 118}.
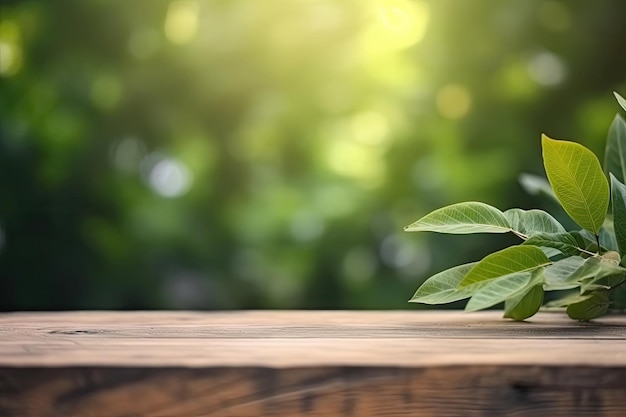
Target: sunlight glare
{"x": 399, "y": 24}
{"x": 10, "y": 49}
{"x": 357, "y": 161}
{"x": 370, "y": 128}
{"x": 181, "y": 22}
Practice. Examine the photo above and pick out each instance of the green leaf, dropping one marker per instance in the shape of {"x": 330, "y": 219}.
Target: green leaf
{"x": 463, "y": 218}
{"x": 511, "y": 260}
{"x": 568, "y": 299}
{"x": 441, "y": 287}
{"x": 524, "y": 305}
{"x": 591, "y": 308}
{"x": 564, "y": 274}
{"x": 621, "y": 100}
{"x": 607, "y": 235}
{"x": 618, "y": 297}
{"x": 618, "y": 202}
{"x": 606, "y": 272}
{"x": 606, "y": 283}
{"x": 589, "y": 274}
{"x": 498, "y": 290}
{"x": 577, "y": 180}
{"x": 585, "y": 240}
{"x": 528, "y": 222}
{"x": 550, "y": 252}
{"x": 606, "y": 265}
{"x": 564, "y": 242}
{"x": 615, "y": 151}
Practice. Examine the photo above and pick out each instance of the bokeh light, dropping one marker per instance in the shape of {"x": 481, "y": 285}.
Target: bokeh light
{"x": 396, "y": 24}
{"x": 181, "y": 23}
{"x": 547, "y": 69}
{"x": 10, "y": 48}
{"x": 169, "y": 177}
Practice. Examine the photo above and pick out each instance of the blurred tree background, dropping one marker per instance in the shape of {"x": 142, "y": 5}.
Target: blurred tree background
{"x": 218, "y": 154}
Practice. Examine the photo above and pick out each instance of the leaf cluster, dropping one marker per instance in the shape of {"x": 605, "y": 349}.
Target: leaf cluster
{"x": 590, "y": 263}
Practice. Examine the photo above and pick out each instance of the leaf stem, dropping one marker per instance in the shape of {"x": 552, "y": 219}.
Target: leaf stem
{"x": 525, "y": 237}
{"x": 519, "y": 234}
{"x": 587, "y": 252}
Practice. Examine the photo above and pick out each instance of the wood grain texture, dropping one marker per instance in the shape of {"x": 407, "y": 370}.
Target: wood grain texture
{"x": 309, "y": 363}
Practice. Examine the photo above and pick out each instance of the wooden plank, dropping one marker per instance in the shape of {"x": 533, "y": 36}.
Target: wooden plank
{"x": 319, "y": 363}
{"x": 271, "y": 338}
{"x": 343, "y": 391}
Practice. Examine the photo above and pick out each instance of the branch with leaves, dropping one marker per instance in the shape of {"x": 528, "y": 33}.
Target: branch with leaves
{"x": 590, "y": 263}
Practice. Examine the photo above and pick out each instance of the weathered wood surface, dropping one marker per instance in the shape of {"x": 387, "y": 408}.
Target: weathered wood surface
{"x": 313, "y": 363}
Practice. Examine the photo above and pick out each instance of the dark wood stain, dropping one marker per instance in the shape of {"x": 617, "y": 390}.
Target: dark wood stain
{"x": 307, "y": 403}
{"x": 348, "y": 406}
{"x": 90, "y": 382}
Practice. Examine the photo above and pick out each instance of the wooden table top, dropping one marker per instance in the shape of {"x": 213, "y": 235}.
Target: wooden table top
{"x": 306, "y": 338}
{"x": 310, "y": 363}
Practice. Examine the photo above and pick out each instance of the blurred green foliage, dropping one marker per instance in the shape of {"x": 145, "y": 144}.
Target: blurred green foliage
{"x": 266, "y": 154}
